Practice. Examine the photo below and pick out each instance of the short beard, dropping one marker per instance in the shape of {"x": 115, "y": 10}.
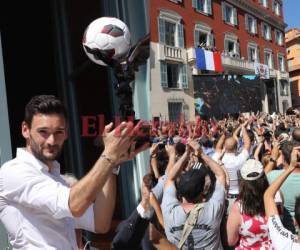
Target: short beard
{"x": 38, "y": 152}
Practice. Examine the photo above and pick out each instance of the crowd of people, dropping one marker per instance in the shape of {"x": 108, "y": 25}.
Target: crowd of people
{"x": 226, "y": 184}
{"x": 231, "y": 183}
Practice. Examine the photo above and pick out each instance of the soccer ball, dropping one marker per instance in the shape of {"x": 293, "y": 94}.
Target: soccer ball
{"x": 106, "y": 39}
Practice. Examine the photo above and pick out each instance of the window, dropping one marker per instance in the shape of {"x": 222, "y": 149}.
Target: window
{"x": 173, "y": 75}
{"x": 268, "y": 56}
{"x": 266, "y": 31}
{"x": 290, "y": 63}
{"x": 231, "y": 45}
{"x": 264, "y": 3}
{"x": 253, "y": 52}
{"x": 203, "y": 36}
{"x": 229, "y": 14}
{"x": 276, "y": 7}
{"x": 170, "y": 29}
{"x": 281, "y": 65}
{"x": 203, "y": 6}
{"x": 284, "y": 87}
{"x": 279, "y": 37}
{"x": 250, "y": 24}
{"x": 175, "y": 110}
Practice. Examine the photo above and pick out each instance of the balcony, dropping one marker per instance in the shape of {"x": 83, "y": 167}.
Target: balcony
{"x": 272, "y": 73}
{"x": 284, "y": 75}
{"x": 166, "y": 52}
{"x": 237, "y": 65}
{"x": 230, "y": 64}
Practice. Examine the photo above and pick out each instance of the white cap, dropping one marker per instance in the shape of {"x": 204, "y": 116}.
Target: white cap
{"x": 249, "y": 167}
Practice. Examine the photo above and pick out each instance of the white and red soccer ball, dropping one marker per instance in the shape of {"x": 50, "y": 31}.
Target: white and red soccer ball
{"x": 108, "y": 36}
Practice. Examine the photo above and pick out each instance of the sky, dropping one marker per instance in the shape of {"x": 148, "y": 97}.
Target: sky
{"x": 291, "y": 13}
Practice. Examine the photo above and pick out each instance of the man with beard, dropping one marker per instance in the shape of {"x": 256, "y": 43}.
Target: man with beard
{"x": 37, "y": 207}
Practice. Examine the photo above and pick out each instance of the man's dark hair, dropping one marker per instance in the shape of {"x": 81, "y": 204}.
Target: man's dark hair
{"x": 251, "y": 135}
{"x": 286, "y": 149}
{"x": 191, "y": 184}
{"x": 162, "y": 161}
{"x": 279, "y": 130}
{"x": 43, "y": 104}
{"x": 296, "y": 134}
{"x": 297, "y": 209}
{"x": 251, "y": 195}
{"x": 180, "y": 148}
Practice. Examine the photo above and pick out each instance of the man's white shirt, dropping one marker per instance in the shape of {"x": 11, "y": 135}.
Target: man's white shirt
{"x": 34, "y": 205}
{"x": 233, "y": 164}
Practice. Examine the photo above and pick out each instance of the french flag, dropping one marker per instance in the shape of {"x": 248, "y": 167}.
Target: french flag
{"x": 208, "y": 60}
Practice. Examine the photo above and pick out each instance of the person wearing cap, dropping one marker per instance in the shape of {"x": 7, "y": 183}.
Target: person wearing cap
{"x": 247, "y": 223}
{"x": 280, "y": 236}
{"x": 180, "y": 199}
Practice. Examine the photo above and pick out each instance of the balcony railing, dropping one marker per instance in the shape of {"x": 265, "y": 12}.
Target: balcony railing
{"x": 284, "y": 75}
{"x": 229, "y": 63}
{"x": 239, "y": 65}
{"x": 171, "y": 53}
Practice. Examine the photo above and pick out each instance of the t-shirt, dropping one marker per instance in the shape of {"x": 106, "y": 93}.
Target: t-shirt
{"x": 206, "y": 233}
{"x": 158, "y": 190}
{"x": 281, "y": 238}
{"x": 290, "y": 190}
{"x": 233, "y": 164}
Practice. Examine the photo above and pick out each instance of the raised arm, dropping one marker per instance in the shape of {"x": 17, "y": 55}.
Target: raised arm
{"x": 99, "y": 184}
{"x": 213, "y": 165}
{"x": 274, "y": 156}
{"x": 270, "y": 205}
{"x": 177, "y": 168}
{"x": 220, "y": 143}
{"x": 246, "y": 138}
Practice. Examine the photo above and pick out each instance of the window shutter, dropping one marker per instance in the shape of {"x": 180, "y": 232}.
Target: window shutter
{"x": 260, "y": 1}
{"x": 247, "y": 23}
{"x": 223, "y": 10}
{"x": 263, "y": 30}
{"x": 195, "y": 4}
{"x": 183, "y": 76}
{"x": 180, "y": 35}
{"x": 255, "y": 26}
{"x": 209, "y": 7}
{"x": 273, "y": 5}
{"x": 235, "y": 16}
{"x": 211, "y": 40}
{"x": 238, "y": 48}
{"x": 196, "y": 38}
{"x": 161, "y": 24}
{"x": 258, "y": 54}
{"x": 163, "y": 75}
{"x": 226, "y": 45}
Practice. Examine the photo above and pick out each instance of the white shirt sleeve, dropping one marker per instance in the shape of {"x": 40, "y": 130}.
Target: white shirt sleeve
{"x": 27, "y": 186}
{"x": 242, "y": 158}
{"x": 87, "y": 220}
{"x": 281, "y": 238}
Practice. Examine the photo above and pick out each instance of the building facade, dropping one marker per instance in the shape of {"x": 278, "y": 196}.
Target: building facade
{"x": 292, "y": 40}
{"x": 247, "y": 34}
